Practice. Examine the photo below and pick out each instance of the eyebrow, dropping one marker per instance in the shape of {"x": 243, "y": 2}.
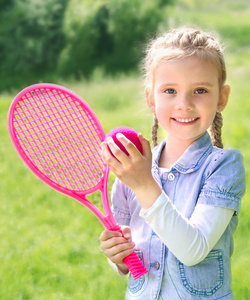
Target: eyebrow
{"x": 208, "y": 84}
{"x": 204, "y": 84}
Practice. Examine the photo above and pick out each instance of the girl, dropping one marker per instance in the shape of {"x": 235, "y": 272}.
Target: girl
{"x": 182, "y": 200}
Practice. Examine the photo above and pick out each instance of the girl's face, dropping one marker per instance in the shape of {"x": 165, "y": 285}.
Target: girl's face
{"x": 186, "y": 96}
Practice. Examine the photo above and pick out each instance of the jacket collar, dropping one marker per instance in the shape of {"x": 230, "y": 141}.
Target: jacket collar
{"x": 191, "y": 159}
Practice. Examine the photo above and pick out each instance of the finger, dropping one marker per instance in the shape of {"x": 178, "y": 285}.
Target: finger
{"x": 110, "y": 239}
{"x": 111, "y": 246}
{"x": 120, "y": 250}
{"x": 105, "y": 150}
{"x": 116, "y": 151}
{"x": 112, "y": 162}
{"x": 108, "y": 234}
{"x": 146, "y": 149}
{"x": 117, "y": 244}
{"x": 119, "y": 257}
{"x": 129, "y": 146}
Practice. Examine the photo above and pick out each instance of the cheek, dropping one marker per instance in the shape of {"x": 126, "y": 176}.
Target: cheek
{"x": 210, "y": 113}
{"x": 163, "y": 116}
{"x": 161, "y": 112}
{"x": 162, "y": 105}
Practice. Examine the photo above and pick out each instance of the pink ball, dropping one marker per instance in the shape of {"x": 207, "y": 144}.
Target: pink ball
{"x": 129, "y": 133}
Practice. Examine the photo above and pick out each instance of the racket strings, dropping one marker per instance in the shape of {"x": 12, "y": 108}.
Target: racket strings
{"x": 60, "y": 137}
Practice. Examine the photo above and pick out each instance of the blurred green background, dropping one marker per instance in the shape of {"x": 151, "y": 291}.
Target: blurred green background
{"x": 49, "y": 246}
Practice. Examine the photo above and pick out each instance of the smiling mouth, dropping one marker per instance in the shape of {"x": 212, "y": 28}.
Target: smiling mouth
{"x": 185, "y": 121}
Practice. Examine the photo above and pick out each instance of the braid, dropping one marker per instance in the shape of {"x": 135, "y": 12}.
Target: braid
{"x": 154, "y": 131}
{"x": 215, "y": 130}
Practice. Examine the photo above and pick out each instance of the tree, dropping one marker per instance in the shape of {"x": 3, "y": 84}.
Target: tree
{"x": 41, "y": 40}
{"x": 108, "y": 33}
{"x": 31, "y": 39}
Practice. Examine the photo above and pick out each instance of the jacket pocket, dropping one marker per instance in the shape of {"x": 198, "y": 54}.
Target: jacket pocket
{"x": 205, "y": 278}
{"x": 136, "y": 285}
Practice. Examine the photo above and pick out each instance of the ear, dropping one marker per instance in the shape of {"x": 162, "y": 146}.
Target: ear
{"x": 224, "y": 96}
{"x": 150, "y": 99}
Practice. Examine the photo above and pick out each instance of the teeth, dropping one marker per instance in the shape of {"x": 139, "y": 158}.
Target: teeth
{"x": 185, "y": 120}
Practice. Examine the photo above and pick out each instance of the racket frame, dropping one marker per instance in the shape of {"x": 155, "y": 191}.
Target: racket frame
{"x": 107, "y": 220}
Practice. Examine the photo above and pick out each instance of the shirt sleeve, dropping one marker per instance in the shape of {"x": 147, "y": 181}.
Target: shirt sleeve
{"x": 224, "y": 181}
{"x": 190, "y": 240}
{"x": 120, "y": 211}
{"x": 120, "y": 207}
{"x": 115, "y": 268}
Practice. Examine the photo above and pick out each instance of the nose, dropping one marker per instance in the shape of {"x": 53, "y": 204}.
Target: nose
{"x": 184, "y": 102}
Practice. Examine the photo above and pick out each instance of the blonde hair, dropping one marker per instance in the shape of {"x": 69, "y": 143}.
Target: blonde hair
{"x": 179, "y": 44}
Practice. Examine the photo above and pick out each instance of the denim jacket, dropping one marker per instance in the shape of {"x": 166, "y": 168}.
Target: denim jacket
{"x": 203, "y": 174}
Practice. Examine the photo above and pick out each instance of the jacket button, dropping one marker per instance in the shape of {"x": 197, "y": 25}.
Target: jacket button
{"x": 171, "y": 176}
{"x": 157, "y": 265}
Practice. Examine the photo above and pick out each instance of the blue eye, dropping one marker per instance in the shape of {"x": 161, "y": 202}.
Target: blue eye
{"x": 170, "y": 91}
{"x": 200, "y": 91}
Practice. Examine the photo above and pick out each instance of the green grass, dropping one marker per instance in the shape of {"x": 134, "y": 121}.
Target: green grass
{"x": 49, "y": 243}
{"x": 236, "y": 134}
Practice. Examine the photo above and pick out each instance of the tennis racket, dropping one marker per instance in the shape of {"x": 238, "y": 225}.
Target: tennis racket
{"x": 58, "y": 136}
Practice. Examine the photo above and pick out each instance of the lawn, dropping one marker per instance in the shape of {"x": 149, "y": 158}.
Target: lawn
{"x": 49, "y": 243}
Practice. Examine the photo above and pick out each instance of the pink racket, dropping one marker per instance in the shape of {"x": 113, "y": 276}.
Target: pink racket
{"x": 58, "y": 137}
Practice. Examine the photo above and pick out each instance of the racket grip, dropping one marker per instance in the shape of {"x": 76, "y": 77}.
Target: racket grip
{"x": 132, "y": 261}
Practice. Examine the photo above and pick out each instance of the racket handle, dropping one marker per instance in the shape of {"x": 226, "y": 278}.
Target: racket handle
{"x": 132, "y": 261}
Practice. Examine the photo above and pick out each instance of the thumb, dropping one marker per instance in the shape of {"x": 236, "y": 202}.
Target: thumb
{"x": 126, "y": 231}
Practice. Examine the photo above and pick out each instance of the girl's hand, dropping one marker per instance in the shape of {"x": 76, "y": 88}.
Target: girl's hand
{"x": 133, "y": 170}
{"x": 117, "y": 246}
